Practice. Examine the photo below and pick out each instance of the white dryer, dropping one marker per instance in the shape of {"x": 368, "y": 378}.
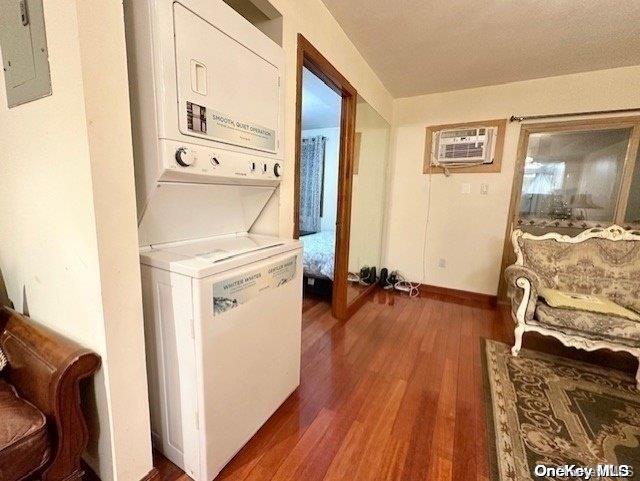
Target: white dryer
{"x": 207, "y": 101}
{"x": 222, "y": 306}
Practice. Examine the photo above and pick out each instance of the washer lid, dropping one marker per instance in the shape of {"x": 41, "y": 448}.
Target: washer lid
{"x": 224, "y": 247}
{"x": 204, "y": 257}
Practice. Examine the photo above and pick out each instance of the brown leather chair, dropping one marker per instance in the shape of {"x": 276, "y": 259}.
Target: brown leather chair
{"x": 42, "y": 429}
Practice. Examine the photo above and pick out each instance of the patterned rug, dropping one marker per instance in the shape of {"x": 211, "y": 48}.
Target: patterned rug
{"x": 555, "y": 412}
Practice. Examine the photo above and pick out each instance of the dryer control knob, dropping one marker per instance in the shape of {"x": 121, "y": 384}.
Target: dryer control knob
{"x": 185, "y": 157}
{"x": 276, "y": 170}
{"x": 215, "y": 162}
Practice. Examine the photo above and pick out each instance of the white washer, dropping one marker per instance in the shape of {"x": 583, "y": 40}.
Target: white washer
{"x": 223, "y": 343}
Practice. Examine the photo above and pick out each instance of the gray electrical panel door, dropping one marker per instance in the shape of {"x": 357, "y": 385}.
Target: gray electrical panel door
{"x": 25, "y": 58}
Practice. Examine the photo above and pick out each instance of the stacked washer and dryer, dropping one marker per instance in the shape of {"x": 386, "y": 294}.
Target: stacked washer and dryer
{"x": 222, "y": 306}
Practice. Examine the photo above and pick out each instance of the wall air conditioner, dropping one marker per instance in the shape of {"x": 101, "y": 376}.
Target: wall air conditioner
{"x": 464, "y": 146}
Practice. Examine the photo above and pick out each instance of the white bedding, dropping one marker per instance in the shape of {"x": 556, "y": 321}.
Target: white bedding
{"x": 318, "y": 254}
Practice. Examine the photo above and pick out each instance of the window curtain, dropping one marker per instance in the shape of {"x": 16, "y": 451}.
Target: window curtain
{"x": 540, "y": 182}
{"x": 312, "y": 158}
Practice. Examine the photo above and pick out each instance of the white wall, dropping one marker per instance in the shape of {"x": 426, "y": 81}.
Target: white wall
{"x": 68, "y": 239}
{"x": 102, "y": 42}
{"x": 313, "y": 20}
{"x": 468, "y": 230}
{"x": 330, "y": 186}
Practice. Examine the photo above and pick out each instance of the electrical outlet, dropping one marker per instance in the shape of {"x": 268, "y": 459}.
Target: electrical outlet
{"x": 442, "y": 263}
{"x": 484, "y": 189}
{"x": 466, "y": 188}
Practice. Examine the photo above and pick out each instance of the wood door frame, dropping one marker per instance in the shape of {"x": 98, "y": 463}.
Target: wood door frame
{"x": 609, "y": 123}
{"x": 309, "y": 57}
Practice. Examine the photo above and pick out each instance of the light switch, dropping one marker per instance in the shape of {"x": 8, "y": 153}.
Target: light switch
{"x": 466, "y": 188}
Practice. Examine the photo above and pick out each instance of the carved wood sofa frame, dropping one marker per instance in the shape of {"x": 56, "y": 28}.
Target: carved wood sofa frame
{"x": 614, "y": 233}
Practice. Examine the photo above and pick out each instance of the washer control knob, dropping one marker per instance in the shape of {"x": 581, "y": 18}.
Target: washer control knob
{"x": 276, "y": 170}
{"x": 185, "y": 157}
{"x": 252, "y": 166}
{"x": 264, "y": 168}
{"x": 215, "y": 162}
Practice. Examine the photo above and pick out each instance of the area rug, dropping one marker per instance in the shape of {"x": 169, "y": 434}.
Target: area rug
{"x": 547, "y": 412}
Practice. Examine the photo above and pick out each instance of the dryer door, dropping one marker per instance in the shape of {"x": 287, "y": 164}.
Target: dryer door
{"x": 226, "y": 92}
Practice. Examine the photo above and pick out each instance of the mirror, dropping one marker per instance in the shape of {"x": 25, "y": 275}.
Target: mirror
{"x": 368, "y": 199}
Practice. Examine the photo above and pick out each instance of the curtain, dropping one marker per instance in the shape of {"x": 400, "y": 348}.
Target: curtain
{"x": 312, "y": 159}
{"x": 539, "y": 184}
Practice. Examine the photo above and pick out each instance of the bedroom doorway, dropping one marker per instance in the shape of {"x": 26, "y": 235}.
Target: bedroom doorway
{"x": 325, "y": 128}
{"x": 318, "y": 197}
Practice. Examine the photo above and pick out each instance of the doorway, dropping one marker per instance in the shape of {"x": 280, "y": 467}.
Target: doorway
{"x": 325, "y": 132}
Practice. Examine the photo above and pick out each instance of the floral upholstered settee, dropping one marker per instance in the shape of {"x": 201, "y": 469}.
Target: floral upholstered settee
{"x": 603, "y": 262}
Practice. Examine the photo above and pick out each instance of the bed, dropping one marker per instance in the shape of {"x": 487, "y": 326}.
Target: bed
{"x": 318, "y": 254}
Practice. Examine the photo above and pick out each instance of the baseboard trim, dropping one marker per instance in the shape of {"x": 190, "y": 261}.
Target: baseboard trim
{"x": 90, "y": 475}
{"x": 359, "y": 301}
{"x": 491, "y": 300}
{"x": 153, "y": 475}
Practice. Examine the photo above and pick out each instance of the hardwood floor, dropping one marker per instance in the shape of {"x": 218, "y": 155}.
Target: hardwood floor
{"x": 354, "y": 290}
{"x": 395, "y": 393}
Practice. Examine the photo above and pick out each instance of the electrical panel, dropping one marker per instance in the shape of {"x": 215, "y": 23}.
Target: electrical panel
{"x": 25, "y": 58}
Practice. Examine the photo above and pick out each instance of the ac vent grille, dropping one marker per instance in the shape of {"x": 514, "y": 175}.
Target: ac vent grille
{"x": 465, "y": 151}
{"x": 468, "y": 146}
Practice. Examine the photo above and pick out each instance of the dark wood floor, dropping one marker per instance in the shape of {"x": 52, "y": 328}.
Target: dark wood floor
{"x": 395, "y": 393}
{"x": 354, "y": 290}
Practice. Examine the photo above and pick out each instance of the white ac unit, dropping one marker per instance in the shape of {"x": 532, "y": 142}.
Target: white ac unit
{"x": 464, "y": 146}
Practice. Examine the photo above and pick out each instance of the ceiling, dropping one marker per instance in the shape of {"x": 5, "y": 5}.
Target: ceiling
{"x": 320, "y": 104}
{"x": 425, "y": 46}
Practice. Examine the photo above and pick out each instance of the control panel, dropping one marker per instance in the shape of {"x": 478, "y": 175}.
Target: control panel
{"x": 195, "y": 163}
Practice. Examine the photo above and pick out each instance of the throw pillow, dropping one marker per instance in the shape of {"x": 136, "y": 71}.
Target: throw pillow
{"x": 586, "y": 302}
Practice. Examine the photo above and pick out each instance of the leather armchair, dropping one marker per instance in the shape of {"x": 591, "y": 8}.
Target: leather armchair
{"x": 42, "y": 428}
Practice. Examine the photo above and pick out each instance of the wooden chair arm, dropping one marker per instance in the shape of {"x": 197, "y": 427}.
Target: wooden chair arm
{"x": 46, "y": 369}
